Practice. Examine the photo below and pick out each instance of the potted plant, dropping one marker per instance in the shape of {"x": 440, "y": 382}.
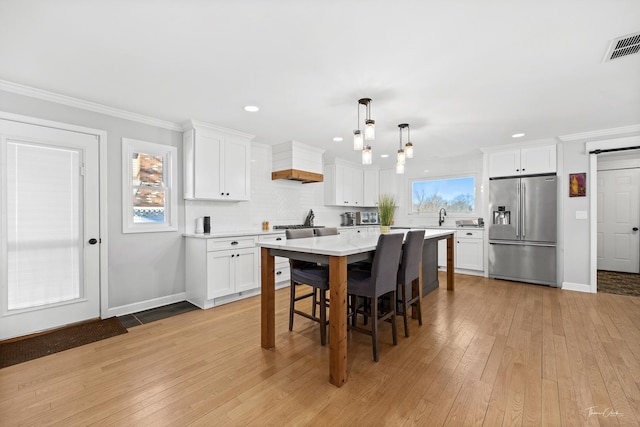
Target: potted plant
{"x": 386, "y": 210}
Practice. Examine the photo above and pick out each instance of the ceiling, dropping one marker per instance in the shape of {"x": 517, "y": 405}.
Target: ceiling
{"x": 464, "y": 74}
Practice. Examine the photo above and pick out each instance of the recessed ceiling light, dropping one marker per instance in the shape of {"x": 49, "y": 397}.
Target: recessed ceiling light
{"x": 251, "y": 108}
{"x": 517, "y": 135}
{"x": 426, "y": 171}
{"x": 337, "y": 139}
{"x": 384, "y": 156}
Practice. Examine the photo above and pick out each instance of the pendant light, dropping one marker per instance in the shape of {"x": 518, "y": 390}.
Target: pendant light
{"x": 358, "y": 142}
{"x": 400, "y": 157}
{"x": 408, "y": 148}
{"x": 369, "y": 125}
{"x": 367, "y": 155}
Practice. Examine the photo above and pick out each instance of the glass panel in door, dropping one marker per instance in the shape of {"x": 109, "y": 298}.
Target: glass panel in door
{"x": 43, "y": 225}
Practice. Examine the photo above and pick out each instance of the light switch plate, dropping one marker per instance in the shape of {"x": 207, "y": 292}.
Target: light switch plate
{"x": 581, "y": 214}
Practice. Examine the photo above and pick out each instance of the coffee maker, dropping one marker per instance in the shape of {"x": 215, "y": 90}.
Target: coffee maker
{"x": 348, "y": 219}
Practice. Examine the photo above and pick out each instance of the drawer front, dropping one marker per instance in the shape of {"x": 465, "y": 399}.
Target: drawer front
{"x": 273, "y": 238}
{"x": 230, "y": 243}
{"x": 469, "y": 234}
{"x": 282, "y": 271}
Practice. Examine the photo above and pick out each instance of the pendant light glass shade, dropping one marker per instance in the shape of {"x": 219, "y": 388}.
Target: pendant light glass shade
{"x": 367, "y": 155}
{"x": 408, "y": 150}
{"x": 369, "y": 125}
{"x": 400, "y": 157}
{"x": 370, "y": 130}
{"x": 399, "y": 168}
{"x": 358, "y": 142}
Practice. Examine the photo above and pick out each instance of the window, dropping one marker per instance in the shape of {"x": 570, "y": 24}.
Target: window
{"x": 453, "y": 194}
{"x": 149, "y": 191}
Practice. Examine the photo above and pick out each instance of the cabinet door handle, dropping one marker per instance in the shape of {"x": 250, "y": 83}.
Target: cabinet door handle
{"x": 232, "y": 255}
{"x": 222, "y": 194}
{"x": 235, "y": 242}
{"x": 469, "y": 234}
{"x": 278, "y": 238}
{"x": 278, "y": 272}
{"x": 227, "y": 194}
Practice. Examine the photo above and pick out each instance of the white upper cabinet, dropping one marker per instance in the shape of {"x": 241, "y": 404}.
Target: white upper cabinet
{"x": 371, "y": 187}
{"x": 343, "y": 185}
{"x": 217, "y": 163}
{"x": 524, "y": 161}
{"x": 388, "y": 183}
{"x": 537, "y": 160}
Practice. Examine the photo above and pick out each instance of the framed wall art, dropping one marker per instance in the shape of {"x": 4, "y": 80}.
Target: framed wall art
{"x": 577, "y": 184}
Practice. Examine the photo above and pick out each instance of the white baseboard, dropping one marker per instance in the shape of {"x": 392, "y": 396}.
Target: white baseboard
{"x": 146, "y": 305}
{"x": 579, "y": 287}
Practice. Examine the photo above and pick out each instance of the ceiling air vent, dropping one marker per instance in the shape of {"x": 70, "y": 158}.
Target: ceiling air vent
{"x": 623, "y": 46}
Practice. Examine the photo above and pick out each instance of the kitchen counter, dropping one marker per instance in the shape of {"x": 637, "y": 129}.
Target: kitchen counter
{"x": 435, "y": 227}
{"x": 217, "y": 234}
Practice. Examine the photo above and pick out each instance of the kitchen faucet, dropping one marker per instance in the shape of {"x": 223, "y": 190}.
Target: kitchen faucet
{"x": 441, "y": 216}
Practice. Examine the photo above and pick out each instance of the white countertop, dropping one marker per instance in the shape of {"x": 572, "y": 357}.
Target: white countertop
{"x": 342, "y": 244}
{"x": 218, "y": 234}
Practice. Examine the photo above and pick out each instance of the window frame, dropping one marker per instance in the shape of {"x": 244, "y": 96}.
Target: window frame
{"x": 170, "y": 186}
{"x": 471, "y": 214}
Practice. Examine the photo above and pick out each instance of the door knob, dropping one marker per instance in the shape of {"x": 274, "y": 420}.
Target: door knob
{"x": 93, "y": 241}
{"x": 635, "y": 228}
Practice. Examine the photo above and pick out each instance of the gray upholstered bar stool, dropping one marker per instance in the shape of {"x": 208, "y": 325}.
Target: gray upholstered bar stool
{"x": 311, "y": 274}
{"x": 382, "y": 279}
{"x": 326, "y": 231}
{"x": 408, "y": 276}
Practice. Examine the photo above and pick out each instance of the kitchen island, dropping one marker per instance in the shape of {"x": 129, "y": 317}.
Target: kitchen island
{"x": 336, "y": 252}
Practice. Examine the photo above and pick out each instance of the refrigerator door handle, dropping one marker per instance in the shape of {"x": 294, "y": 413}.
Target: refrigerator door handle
{"x": 524, "y": 209}
{"x": 517, "y": 209}
{"x": 507, "y": 242}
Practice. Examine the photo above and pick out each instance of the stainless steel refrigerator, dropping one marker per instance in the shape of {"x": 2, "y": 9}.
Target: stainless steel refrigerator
{"x": 522, "y": 229}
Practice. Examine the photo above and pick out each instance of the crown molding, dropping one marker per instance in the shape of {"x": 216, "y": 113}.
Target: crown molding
{"x": 519, "y": 145}
{"x": 195, "y": 123}
{"x": 86, "y": 105}
{"x": 602, "y": 133}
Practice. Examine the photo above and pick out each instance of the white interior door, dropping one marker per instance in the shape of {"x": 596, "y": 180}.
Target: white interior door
{"x": 618, "y": 220}
{"x": 49, "y": 213}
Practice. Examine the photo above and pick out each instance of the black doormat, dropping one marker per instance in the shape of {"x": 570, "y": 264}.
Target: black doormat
{"x": 34, "y": 346}
{"x": 614, "y": 282}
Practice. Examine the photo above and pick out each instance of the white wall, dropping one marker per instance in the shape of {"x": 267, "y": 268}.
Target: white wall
{"x": 142, "y": 267}
{"x": 574, "y": 250}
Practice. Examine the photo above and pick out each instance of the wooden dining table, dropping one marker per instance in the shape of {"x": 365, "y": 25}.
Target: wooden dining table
{"x": 336, "y": 252}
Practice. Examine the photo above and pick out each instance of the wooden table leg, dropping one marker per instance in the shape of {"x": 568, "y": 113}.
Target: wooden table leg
{"x": 338, "y": 320}
{"x": 450, "y": 263}
{"x": 268, "y": 299}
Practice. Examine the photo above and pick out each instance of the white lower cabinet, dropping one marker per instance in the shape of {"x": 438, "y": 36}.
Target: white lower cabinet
{"x": 469, "y": 250}
{"x": 283, "y": 272}
{"x": 356, "y": 229}
{"x": 226, "y": 269}
{"x": 231, "y": 271}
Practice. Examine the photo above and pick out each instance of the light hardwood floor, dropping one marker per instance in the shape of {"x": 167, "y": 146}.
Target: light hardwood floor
{"x": 490, "y": 353}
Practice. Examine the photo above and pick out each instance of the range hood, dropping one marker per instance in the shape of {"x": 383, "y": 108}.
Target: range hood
{"x": 296, "y": 161}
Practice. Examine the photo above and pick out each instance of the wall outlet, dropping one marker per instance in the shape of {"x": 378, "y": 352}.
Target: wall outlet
{"x": 581, "y": 215}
